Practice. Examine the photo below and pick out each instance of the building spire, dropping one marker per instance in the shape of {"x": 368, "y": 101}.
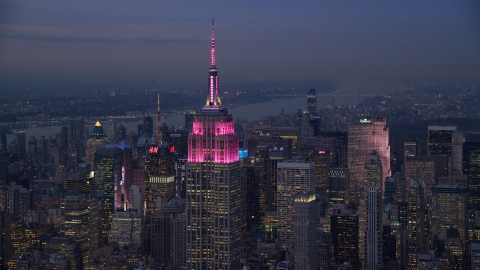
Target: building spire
{"x": 213, "y": 98}
{"x": 159, "y": 127}
{"x": 212, "y": 54}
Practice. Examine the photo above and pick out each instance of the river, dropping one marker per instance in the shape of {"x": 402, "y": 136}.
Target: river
{"x": 250, "y": 112}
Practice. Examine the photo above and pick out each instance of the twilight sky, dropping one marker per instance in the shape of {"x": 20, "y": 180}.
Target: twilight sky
{"x": 73, "y": 46}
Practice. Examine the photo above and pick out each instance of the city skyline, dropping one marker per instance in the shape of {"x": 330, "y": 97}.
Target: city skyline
{"x": 87, "y": 46}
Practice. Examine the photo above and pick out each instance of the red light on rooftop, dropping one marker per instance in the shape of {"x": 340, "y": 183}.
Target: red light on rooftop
{"x": 153, "y": 150}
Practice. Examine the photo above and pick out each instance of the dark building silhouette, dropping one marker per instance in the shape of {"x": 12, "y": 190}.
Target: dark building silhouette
{"x": 345, "y": 238}
{"x": 148, "y": 126}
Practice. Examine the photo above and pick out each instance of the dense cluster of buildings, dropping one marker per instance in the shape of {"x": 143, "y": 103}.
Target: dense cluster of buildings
{"x": 283, "y": 194}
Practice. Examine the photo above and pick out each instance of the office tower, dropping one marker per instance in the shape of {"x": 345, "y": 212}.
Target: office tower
{"x": 345, "y": 238}
{"x": 13, "y": 239}
{"x": 390, "y": 192}
{"x": 158, "y": 135}
{"x": 389, "y": 242}
{"x": 316, "y": 125}
{"x": 108, "y": 169}
{"x": 304, "y": 206}
{"x": 468, "y": 147}
{"x": 250, "y": 201}
{"x": 189, "y": 119}
{"x": 312, "y": 102}
{"x": 64, "y": 137}
{"x": 440, "y": 140}
{"x": 32, "y": 151}
{"x": 179, "y": 140}
{"x": 178, "y": 243}
{"x": 95, "y": 141}
{"x": 18, "y": 200}
{"x": 83, "y": 181}
{"x": 306, "y": 129}
{"x": 43, "y": 152}
{"x": 160, "y": 179}
{"x": 76, "y": 138}
{"x": 475, "y": 255}
{"x": 370, "y": 214}
{"x": 374, "y": 232}
{"x": 213, "y": 185}
{"x": 126, "y": 228}
{"x": 275, "y": 156}
{"x": 271, "y": 143}
{"x": 120, "y": 134}
{"x": 416, "y": 223}
{"x": 458, "y": 139}
{"x": 293, "y": 133}
{"x": 474, "y": 179}
{"x": 373, "y": 173}
{"x": 310, "y": 120}
{"x": 365, "y": 135}
{"x": 66, "y": 246}
{"x": 338, "y": 183}
{"x": 147, "y": 127}
{"x": 427, "y": 169}
{"x": 410, "y": 148}
{"x": 325, "y": 258}
{"x": 263, "y": 186}
{"x": 160, "y": 237}
{"x": 135, "y": 199}
{"x": 449, "y": 209}
{"x": 180, "y": 177}
{"x": 340, "y": 147}
{"x": 80, "y": 220}
{"x": 20, "y": 140}
{"x": 321, "y": 157}
{"x": 293, "y": 176}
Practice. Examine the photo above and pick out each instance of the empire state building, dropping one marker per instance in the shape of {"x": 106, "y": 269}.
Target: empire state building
{"x": 213, "y": 184}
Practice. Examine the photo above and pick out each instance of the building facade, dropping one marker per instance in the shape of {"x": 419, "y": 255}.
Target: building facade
{"x": 213, "y": 185}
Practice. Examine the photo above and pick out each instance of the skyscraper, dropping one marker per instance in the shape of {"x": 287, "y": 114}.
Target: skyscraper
{"x": 293, "y": 176}
{"x": 94, "y": 142}
{"x": 158, "y": 135}
{"x": 449, "y": 209}
{"x": 312, "y": 102}
{"x": 440, "y": 140}
{"x": 410, "y": 148}
{"x": 305, "y": 235}
{"x": 160, "y": 170}
{"x": 416, "y": 223}
{"x": 365, "y": 135}
{"x": 81, "y": 220}
{"x": 345, "y": 238}
{"x": 474, "y": 178}
{"x": 370, "y": 214}
{"x": 213, "y": 184}
{"x": 108, "y": 168}
{"x": 148, "y": 126}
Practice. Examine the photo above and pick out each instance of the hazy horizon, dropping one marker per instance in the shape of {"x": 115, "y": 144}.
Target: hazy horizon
{"x": 71, "y": 47}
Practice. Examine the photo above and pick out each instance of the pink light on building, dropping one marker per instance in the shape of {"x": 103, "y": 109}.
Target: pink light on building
{"x": 224, "y": 128}
{"x": 212, "y": 53}
{"x": 211, "y": 91}
{"x": 195, "y": 148}
{"x": 197, "y": 128}
{"x": 226, "y": 149}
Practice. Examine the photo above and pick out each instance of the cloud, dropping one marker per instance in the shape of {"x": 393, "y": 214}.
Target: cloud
{"x": 62, "y": 35}
{"x": 39, "y": 36}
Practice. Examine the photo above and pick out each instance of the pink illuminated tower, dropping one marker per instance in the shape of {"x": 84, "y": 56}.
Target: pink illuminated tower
{"x": 213, "y": 185}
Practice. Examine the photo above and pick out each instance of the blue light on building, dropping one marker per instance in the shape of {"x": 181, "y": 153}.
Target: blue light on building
{"x": 242, "y": 153}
